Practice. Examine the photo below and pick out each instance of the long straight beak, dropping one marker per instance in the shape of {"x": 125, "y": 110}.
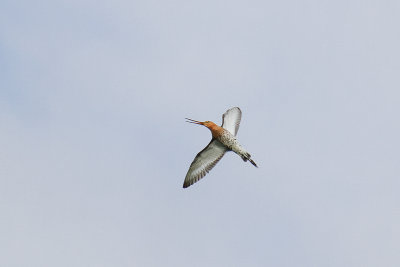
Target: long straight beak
{"x": 194, "y": 121}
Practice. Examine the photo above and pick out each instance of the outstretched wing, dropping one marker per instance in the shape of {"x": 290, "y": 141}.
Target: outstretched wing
{"x": 231, "y": 120}
{"x": 204, "y": 162}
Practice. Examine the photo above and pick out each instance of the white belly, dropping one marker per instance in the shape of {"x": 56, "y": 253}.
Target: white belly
{"x": 232, "y": 143}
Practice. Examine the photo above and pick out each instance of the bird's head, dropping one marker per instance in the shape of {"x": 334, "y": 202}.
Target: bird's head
{"x": 208, "y": 124}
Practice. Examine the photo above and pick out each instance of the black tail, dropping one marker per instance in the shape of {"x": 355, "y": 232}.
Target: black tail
{"x": 246, "y": 157}
{"x": 252, "y": 162}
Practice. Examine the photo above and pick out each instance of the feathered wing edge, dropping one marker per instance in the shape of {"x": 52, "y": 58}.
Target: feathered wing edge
{"x": 204, "y": 161}
{"x": 231, "y": 120}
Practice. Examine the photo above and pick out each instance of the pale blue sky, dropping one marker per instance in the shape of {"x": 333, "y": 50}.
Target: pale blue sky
{"x": 94, "y": 145}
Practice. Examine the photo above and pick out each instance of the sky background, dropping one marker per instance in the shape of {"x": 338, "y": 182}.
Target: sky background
{"x": 94, "y": 147}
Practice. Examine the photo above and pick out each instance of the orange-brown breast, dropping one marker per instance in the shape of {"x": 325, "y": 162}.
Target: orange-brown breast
{"x": 215, "y": 129}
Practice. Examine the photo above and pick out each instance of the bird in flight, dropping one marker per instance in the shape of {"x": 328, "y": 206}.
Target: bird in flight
{"x": 223, "y": 140}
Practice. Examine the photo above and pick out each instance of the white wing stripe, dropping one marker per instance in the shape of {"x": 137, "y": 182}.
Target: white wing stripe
{"x": 231, "y": 120}
{"x": 204, "y": 161}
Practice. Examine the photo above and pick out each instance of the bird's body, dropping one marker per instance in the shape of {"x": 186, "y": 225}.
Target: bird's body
{"x": 228, "y": 140}
{"x": 223, "y": 140}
